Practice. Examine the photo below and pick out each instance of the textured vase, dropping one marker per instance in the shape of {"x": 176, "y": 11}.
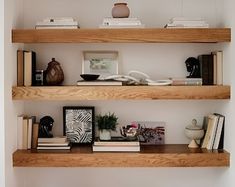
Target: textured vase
{"x": 120, "y": 10}
{"x": 54, "y": 73}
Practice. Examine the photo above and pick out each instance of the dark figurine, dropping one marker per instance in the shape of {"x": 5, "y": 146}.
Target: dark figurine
{"x": 45, "y": 126}
{"x": 193, "y": 66}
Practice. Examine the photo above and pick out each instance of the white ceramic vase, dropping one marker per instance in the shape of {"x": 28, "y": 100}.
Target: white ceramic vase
{"x": 105, "y": 134}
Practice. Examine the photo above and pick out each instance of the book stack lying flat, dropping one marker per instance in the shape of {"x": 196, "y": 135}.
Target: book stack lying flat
{"x": 99, "y": 83}
{"x": 183, "y": 22}
{"x": 55, "y": 143}
{"x": 186, "y": 81}
{"x": 121, "y": 23}
{"x": 57, "y": 23}
{"x": 116, "y": 144}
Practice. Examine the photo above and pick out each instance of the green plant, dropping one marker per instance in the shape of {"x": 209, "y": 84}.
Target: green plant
{"x": 107, "y": 121}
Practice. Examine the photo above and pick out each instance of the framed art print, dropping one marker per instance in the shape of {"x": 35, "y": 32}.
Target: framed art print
{"x": 103, "y": 63}
{"x": 79, "y": 124}
{"x": 151, "y": 132}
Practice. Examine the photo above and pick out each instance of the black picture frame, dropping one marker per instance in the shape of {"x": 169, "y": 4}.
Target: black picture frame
{"x": 79, "y": 124}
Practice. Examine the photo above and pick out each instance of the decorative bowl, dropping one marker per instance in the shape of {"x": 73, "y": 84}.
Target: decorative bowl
{"x": 89, "y": 77}
{"x": 194, "y": 132}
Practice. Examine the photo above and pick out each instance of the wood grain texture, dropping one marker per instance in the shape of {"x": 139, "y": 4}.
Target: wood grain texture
{"x": 150, "y": 156}
{"x": 147, "y": 35}
{"x": 120, "y": 92}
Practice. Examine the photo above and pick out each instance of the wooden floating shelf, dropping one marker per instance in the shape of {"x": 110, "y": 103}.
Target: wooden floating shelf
{"x": 120, "y": 92}
{"x": 149, "y": 156}
{"x": 146, "y": 35}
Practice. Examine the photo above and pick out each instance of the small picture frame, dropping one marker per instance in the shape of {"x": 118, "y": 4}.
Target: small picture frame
{"x": 79, "y": 124}
{"x": 103, "y": 63}
{"x": 151, "y": 132}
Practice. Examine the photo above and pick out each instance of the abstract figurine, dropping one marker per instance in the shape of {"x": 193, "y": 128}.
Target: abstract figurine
{"x": 193, "y": 66}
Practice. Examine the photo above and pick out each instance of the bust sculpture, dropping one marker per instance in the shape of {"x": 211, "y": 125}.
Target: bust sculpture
{"x": 45, "y": 126}
{"x": 193, "y": 67}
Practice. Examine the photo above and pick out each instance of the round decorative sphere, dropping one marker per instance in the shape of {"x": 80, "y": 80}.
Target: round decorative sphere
{"x": 120, "y": 10}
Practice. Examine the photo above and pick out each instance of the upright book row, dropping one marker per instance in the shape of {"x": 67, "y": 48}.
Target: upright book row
{"x": 26, "y": 68}
{"x": 28, "y": 136}
{"x": 211, "y": 68}
{"x": 214, "y": 136}
{"x": 27, "y": 132}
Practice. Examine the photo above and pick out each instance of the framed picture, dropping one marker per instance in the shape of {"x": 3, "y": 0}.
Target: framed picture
{"x": 103, "y": 63}
{"x": 79, "y": 124}
{"x": 151, "y": 132}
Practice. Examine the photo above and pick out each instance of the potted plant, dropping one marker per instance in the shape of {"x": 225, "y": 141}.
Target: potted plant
{"x": 106, "y": 123}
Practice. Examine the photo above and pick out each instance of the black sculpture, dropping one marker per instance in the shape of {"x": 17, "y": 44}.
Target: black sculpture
{"x": 193, "y": 66}
{"x": 45, "y": 126}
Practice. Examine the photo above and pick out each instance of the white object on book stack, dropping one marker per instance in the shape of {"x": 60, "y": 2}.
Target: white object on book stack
{"x": 121, "y": 23}
{"x": 183, "y": 22}
{"x": 57, "y": 23}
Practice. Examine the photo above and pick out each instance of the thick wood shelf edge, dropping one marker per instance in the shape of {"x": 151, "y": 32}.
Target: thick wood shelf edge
{"x": 146, "y": 35}
{"x": 166, "y": 158}
{"x": 120, "y": 92}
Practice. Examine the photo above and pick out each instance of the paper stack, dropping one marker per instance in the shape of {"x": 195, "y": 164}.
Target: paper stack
{"x": 121, "y": 23}
{"x": 183, "y": 22}
{"x": 57, "y": 23}
{"x": 55, "y": 143}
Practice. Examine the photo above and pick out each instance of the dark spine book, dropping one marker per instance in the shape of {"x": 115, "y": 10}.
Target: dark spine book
{"x": 221, "y": 141}
{"x": 33, "y": 68}
{"x": 206, "y": 69}
{"x": 210, "y": 69}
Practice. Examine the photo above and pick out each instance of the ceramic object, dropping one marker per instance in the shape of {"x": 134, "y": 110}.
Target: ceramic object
{"x": 105, "y": 134}
{"x": 194, "y": 132}
{"x": 120, "y": 10}
{"x": 89, "y": 77}
{"x": 54, "y": 73}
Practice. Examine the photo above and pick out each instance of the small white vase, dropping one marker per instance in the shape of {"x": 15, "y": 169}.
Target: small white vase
{"x": 105, "y": 134}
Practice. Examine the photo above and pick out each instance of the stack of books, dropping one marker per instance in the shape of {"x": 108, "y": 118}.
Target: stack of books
{"x": 26, "y": 68}
{"x": 116, "y": 144}
{"x": 183, "y": 22}
{"x": 214, "y": 136}
{"x": 27, "y": 132}
{"x": 121, "y": 23}
{"x": 186, "y": 81}
{"x": 57, "y": 23}
{"x": 99, "y": 83}
{"x": 211, "y": 68}
{"x": 55, "y": 143}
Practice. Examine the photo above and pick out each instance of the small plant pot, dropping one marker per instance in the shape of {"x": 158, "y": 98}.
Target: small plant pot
{"x": 105, "y": 134}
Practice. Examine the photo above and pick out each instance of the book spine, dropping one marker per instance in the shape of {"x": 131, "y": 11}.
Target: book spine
{"x": 20, "y": 132}
{"x": 35, "y": 136}
{"x": 219, "y": 62}
{"x": 25, "y": 134}
{"x": 204, "y": 69}
{"x": 20, "y": 68}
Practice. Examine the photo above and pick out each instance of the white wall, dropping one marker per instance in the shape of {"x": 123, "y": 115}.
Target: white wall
{"x": 158, "y": 60}
{"x": 229, "y": 21}
{"x": 2, "y": 134}
{"x": 13, "y": 19}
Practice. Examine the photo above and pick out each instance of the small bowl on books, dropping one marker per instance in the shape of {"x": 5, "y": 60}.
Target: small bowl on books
{"x": 89, "y": 77}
